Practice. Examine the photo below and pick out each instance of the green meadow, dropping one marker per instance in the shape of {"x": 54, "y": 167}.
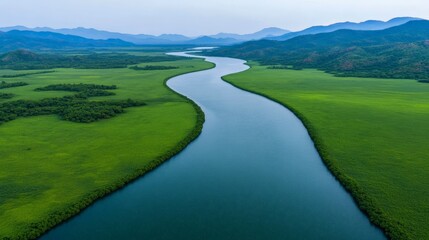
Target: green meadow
{"x": 371, "y": 133}
{"x": 52, "y": 168}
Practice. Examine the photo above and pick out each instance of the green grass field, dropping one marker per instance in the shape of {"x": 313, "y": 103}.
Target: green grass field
{"x": 372, "y": 133}
{"x": 51, "y": 168}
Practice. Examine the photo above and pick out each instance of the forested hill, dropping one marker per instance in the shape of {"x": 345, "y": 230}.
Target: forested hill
{"x": 397, "y": 52}
{"x": 367, "y": 25}
{"x": 15, "y": 39}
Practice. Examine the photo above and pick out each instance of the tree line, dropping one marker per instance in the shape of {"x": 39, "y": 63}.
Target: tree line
{"x": 75, "y": 108}
{"x": 4, "y": 84}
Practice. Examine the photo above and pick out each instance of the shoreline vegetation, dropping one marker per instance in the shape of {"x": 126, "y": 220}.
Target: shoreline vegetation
{"x": 391, "y": 226}
{"x": 75, "y": 209}
{"x": 72, "y": 208}
{"x": 376, "y": 216}
{"x": 38, "y": 229}
{"x": 362, "y": 95}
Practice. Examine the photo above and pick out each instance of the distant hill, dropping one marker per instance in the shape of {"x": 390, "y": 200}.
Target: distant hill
{"x": 15, "y": 39}
{"x": 222, "y": 39}
{"x": 19, "y": 56}
{"x": 174, "y": 37}
{"x": 367, "y": 25}
{"x": 164, "y": 39}
{"x": 266, "y": 32}
{"x": 92, "y": 33}
{"x": 409, "y": 32}
{"x": 209, "y": 41}
{"x": 397, "y": 52}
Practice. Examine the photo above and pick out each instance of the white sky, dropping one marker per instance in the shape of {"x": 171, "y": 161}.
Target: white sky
{"x": 200, "y": 17}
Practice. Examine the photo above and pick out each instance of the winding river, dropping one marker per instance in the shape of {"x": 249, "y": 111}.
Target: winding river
{"x": 253, "y": 173}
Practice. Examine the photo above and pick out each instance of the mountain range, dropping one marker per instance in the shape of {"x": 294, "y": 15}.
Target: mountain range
{"x": 367, "y": 25}
{"x": 221, "y": 39}
{"x": 15, "y": 39}
{"x": 164, "y": 39}
{"x": 397, "y": 52}
{"x": 40, "y": 38}
{"x": 264, "y": 33}
{"x": 409, "y": 32}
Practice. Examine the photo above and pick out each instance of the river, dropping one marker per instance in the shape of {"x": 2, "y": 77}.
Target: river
{"x": 253, "y": 173}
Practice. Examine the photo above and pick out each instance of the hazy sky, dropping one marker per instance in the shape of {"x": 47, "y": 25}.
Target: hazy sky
{"x": 199, "y": 17}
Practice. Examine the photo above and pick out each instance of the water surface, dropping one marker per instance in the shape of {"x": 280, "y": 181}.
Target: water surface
{"x": 253, "y": 173}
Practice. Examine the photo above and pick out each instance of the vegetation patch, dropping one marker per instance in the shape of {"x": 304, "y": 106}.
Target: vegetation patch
{"x": 74, "y": 108}
{"x": 4, "y": 84}
{"x": 152, "y": 67}
{"x": 6, "y": 95}
{"x": 84, "y": 90}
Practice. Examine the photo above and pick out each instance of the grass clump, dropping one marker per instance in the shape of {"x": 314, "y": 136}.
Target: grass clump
{"x": 6, "y": 95}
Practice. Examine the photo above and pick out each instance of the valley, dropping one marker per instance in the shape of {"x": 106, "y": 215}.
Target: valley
{"x": 317, "y": 132}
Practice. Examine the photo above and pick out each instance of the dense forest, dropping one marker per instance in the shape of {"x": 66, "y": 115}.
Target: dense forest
{"x": 26, "y": 60}
{"x": 75, "y": 108}
{"x": 404, "y": 60}
{"x": 83, "y": 90}
{"x": 398, "y": 52}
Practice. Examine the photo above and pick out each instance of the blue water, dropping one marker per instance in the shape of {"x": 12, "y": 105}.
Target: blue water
{"x": 253, "y": 173}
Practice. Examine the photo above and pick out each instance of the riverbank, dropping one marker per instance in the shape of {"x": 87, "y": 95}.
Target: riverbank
{"x": 67, "y": 166}
{"x": 356, "y": 128}
{"x": 253, "y": 173}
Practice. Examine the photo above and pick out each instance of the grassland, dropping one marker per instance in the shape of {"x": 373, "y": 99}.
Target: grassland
{"x": 371, "y": 133}
{"x": 51, "y": 168}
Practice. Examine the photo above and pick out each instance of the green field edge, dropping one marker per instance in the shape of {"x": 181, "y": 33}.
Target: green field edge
{"x": 36, "y": 230}
{"x": 391, "y": 228}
